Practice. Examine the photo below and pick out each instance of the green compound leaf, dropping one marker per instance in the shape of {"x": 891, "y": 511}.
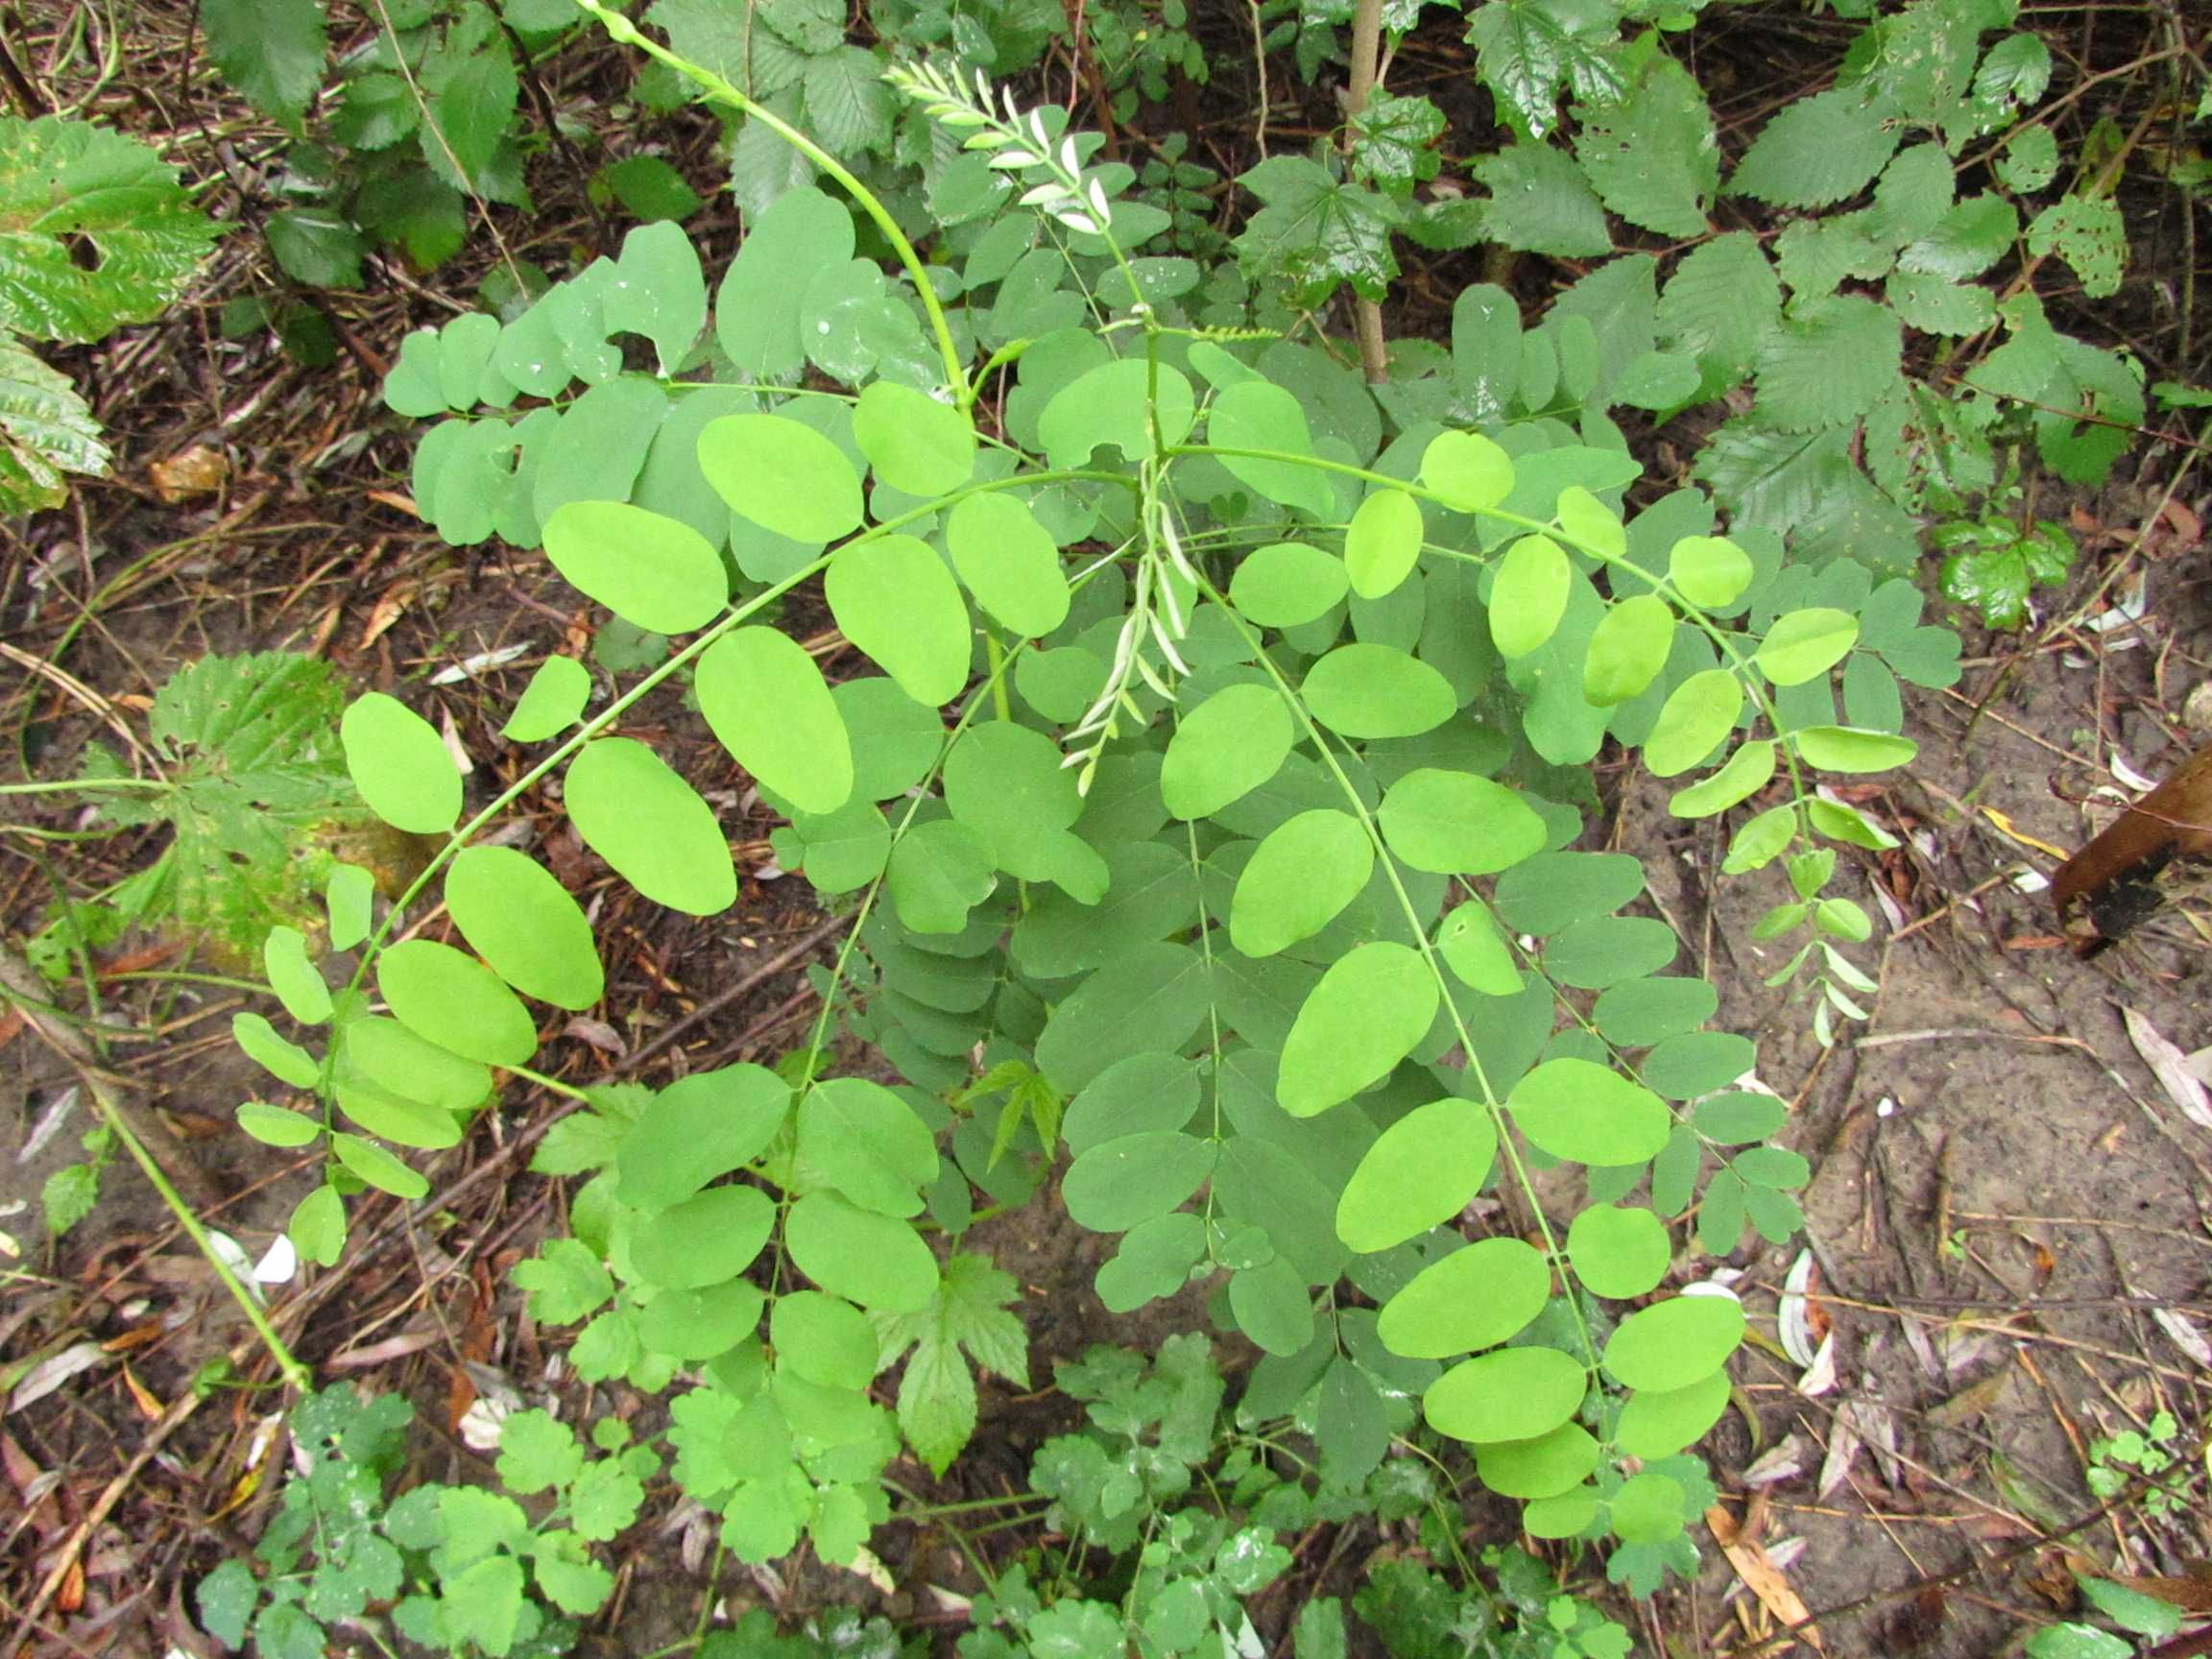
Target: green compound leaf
{"x": 1579, "y": 1110}
{"x": 1260, "y": 415}
{"x": 1710, "y": 572}
{"x": 1382, "y": 543}
{"x": 1802, "y": 645}
{"x": 1511, "y": 1394}
{"x": 1477, "y": 954}
{"x": 1619, "y": 1253}
{"x": 401, "y": 765}
{"x": 1695, "y": 720}
{"x": 916, "y": 443}
{"x": 1472, "y": 472}
{"x": 1314, "y": 233}
{"x": 771, "y": 709}
{"x": 1527, "y": 51}
{"x": 1370, "y": 1010}
{"x": 451, "y": 999}
{"x": 564, "y": 1281}
{"x": 1420, "y": 1172}
{"x": 658, "y": 292}
{"x": 1010, "y": 785}
{"x": 894, "y": 598}
{"x": 1300, "y": 877}
{"x": 1829, "y": 362}
{"x": 651, "y": 826}
{"x": 1846, "y": 749}
{"x": 1540, "y": 203}
{"x": 1456, "y": 824}
{"x": 698, "y": 1129}
{"x": 782, "y": 476}
{"x": 1653, "y": 158}
{"x": 877, "y": 1261}
{"x": 1745, "y": 773}
{"x": 1473, "y": 1299}
{"x": 2088, "y": 234}
{"x": 515, "y": 913}
{"x": 402, "y": 1061}
{"x": 710, "y": 1238}
{"x": 95, "y": 230}
{"x": 1675, "y": 1343}
{"x": 1287, "y": 584}
{"x": 865, "y": 1142}
{"x": 654, "y": 572}
{"x": 1009, "y": 562}
{"x": 1224, "y": 749}
{"x": 46, "y": 430}
{"x": 538, "y": 1451}
{"x": 1367, "y": 692}
{"x": 1273, "y": 1306}
{"x": 937, "y": 1395}
{"x": 1628, "y": 649}
{"x": 1530, "y": 596}
{"x": 551, "y": 702}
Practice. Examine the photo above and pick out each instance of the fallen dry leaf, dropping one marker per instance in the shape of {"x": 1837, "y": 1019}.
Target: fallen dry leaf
{"x": 1762, "y": 1578}
{"x": 195, "y": 472}
{"x": 2185, "y": 1336}
{"x": 2171, "y": 1067}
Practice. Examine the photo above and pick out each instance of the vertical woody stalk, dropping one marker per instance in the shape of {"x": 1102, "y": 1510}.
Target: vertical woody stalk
{"x": 1366, "y": 61}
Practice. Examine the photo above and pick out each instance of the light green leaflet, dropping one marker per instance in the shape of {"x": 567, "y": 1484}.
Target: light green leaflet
{"x": 916, "y": 443}
{"x": 1371, "y": 1008}
{"x": 1473, "y": 1299}
{"x": 1579, "y": 1110}
{"x": 1468, "y": 471}
{"x": 515, "y": 915}
{"x": 1847, "y": 749}
{"x": 756, "y": 313}
{"x": 1260, "y": 415}
{"x": 654, "y": 572}
{"x": 828, "y": 1341}
{"x": 1710, "y": 572}
{"x": 1511, "y": 1394}
{"x": 1475, "y": 952}
{"x": 1420, "y": 1172}
{"x": 1287, "y": 584}
{"x": 877, "y": 1261}
{"x": 1658, "y": 1423}
{"x": 697, "y": 1129}
{"x": 1296, "y": 881}
{"x": 378, "y": 1167}
{"x": 552, "y": 702}
{"x": 1590, "y": 523}
{"x": 1628, "y": 649}
{"x": 865, "y": 1142}
{"x": 456, "y": 1002}
{"x": 770, "y": 707}
{"x": 1383, "y": 542}
{"x": 348, "y": 899}
{"x": 708, "y": 1237}
{"x": 1530, "y": 596}
{"x": 1113, "y": 404}
{"x": 1745, "y": 775}
{"x": 782, "y": 476}
{"x": 1618, "y": 1252}
{"x": 401, "y": 765}
{"x": 1676, "y": 1342}
{"x": 1695, "y": 720}
{"x": 1009, "y": 562}
{"x": 651, "y": 826}
{"x": 1456, "y": 824}
{"x": 1803, "y": 644}
{"x": 894, "y": 598}
{"x": 298, "y": 985}
{"x": 1367, "y": 691}
{"x": 1224, "y": 749}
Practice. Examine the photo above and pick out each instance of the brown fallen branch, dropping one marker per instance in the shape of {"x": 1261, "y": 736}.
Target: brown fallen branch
{"x": 2126, "y": 875}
